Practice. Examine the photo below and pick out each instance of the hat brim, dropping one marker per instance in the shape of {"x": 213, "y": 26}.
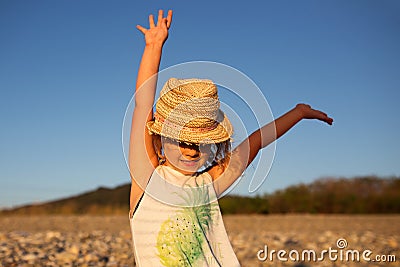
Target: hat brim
{"x": 222, "y": 132}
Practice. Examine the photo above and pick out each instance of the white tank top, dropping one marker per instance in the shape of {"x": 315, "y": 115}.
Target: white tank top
{"x": 178, "y": 222}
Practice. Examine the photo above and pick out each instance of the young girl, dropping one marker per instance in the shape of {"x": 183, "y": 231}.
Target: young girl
{"x": 180, "y": 161}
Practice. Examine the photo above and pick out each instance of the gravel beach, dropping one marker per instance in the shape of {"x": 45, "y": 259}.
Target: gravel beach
{"x": 106, "y": 240}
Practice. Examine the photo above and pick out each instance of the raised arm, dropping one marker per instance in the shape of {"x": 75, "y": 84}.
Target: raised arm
{"x": 142, "y": 158}
{"x": 246, "y": 151}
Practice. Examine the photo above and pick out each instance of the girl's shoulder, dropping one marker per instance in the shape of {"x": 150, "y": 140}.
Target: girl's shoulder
{"x": 216, "y": 171}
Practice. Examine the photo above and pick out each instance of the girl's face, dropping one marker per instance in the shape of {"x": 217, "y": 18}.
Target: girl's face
{"x": 187, "y": 158}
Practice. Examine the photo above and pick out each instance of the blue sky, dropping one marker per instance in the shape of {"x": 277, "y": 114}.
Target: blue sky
{"x": 68, "y": 70}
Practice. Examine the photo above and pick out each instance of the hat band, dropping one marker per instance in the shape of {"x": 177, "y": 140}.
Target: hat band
{"x": 196, "y": 130}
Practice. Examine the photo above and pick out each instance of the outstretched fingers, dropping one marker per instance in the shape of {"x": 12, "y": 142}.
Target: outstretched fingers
{"x": 309, "y": 113}
{"x": 323, "y": 117}
{"x": 162, "y": 22}
{"x": 142, "y": 29}
{"x": 169, "y": 18}
{"x": 160, "y": 17}
{"x": 151, "y": 21}
{"x": 328, "y": 120}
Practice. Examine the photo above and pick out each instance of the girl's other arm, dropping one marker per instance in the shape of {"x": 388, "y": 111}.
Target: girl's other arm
{"x": 142, "y": 158}
{"x": 246, "y": 151}
{"x": 267, "y": 134}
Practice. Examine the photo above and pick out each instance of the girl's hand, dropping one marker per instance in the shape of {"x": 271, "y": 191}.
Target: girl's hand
{"x": 309, "y": 113}
{"x": 157, "y": 34}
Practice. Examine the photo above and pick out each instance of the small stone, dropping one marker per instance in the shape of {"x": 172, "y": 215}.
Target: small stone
{"x": 74, "y": 250}
{"x": 291, "y": 242}
{"x": 29, "y": 257}
{"x": 392, "y": 243}
{"x": 66, "y": 257}
{"x": 51, "y": 235}
{"x": 90, "y": 257}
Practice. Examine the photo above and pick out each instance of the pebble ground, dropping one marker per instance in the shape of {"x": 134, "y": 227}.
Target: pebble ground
{"x": 27, "y": 241}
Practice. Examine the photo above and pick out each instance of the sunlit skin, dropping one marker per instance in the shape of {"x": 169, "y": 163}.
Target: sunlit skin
{"x": 185, "y": 158}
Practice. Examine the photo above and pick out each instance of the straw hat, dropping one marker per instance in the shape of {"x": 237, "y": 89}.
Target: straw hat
{"x": 188, "y": 111}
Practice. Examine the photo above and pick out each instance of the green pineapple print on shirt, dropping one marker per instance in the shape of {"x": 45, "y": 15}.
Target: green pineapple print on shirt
{"x": 181, "y": 237}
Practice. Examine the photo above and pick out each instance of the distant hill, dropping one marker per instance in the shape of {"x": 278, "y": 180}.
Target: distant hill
{"x": 330, "y": 195}
{"x": 100, "y": 201}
